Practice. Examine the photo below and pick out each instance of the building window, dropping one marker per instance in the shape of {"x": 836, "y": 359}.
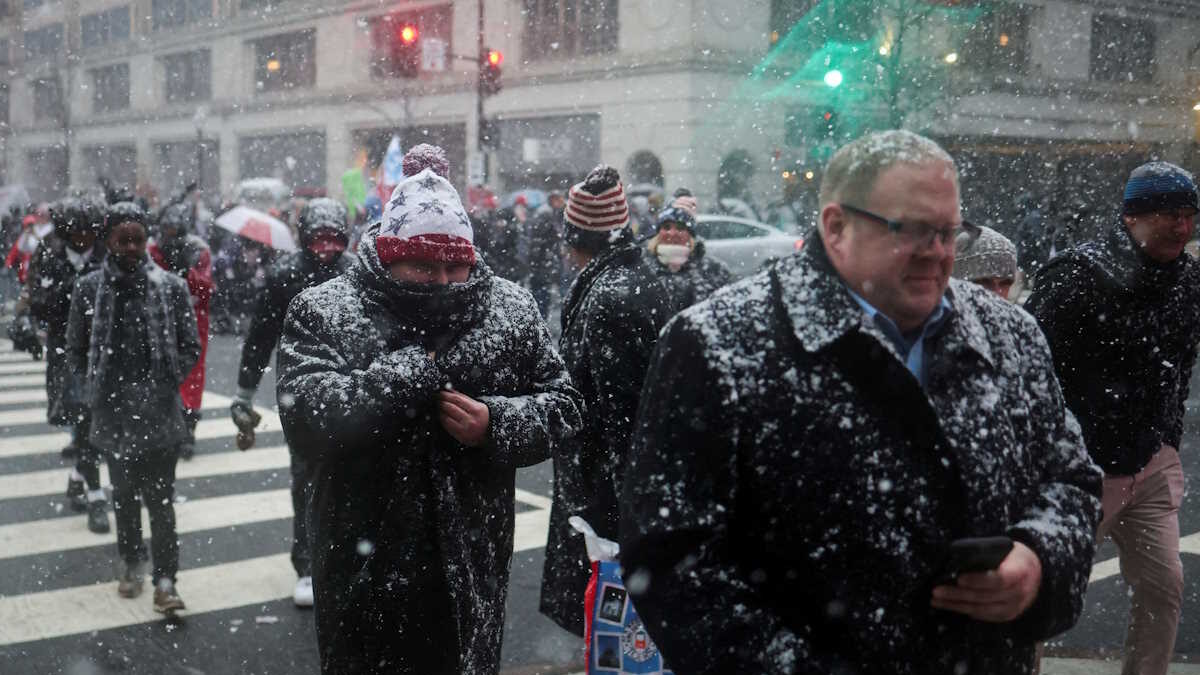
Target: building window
{"x": 102, "y": 28}
{"x": 45, "y": 42}
{"x": 784, "y": 15}
{"x": 175, "y": 13}
{"x": 999, "y": 41}
{"x": 33, "y": 4}
{"x": 432, "y": 23}
{"x": 296, "y": 159}
{"x": 4, "y": 103}
{"x": 566, "y": 28}
{"x": 46, "y": 173}
{"x": 110, "y": 88}
{"x": 179, "y": 164}
{"x": 188, "y": 76}
{"x": 115, "y": 164}
{"x": 1123, "y": 49}
{"x": 5, "y": 53}
{"x": 47, "y": 99}
{"x": 286, "y": 61}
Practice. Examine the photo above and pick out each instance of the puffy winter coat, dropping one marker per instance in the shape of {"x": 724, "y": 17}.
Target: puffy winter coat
{"x": 47, "y": 296}
{"x": 190, "y": 258}
{"x": 610, "y": 322}
{"x": 414, "y": 530}
{"x": 699, "y": 277}
{"x": 133, "y": 336}
{"x": 286, "y": 277}
{"x": 545, "y": 245}
{"x": 1123, "y": 329}
{"x": 793, "y": 488}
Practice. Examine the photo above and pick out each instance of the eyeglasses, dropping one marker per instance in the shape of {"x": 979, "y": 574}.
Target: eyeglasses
{"x": 1176, "y": 214}
{"x": 917, "y": 236}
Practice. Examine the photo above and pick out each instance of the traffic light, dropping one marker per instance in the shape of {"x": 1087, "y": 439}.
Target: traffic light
{"x": 489, "y": 72}
{"x": 406, "y": 49}
{"x": 827, "y": 125}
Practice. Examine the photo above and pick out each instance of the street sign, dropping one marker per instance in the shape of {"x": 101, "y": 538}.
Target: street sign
{"x": 433, "y": 55}
{"x": 475, "y": 170}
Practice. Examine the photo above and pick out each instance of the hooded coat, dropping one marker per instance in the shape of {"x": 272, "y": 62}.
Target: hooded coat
{"x": 133, "y": 337}
{"x": 793, "y": 488}
{"x": 610, "y": 322}
{"x": 1123, "y": 329}
{"x": 699, "y": 277}
{"x": 47, "y": 295}
{"x": 189, "y": 257}
{"x": 287, "y": 276}
{"x": 415, "y": 530}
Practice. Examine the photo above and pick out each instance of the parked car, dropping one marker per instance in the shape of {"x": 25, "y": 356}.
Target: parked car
{"x": 263, "y": 194}
{"x": 742, "y": 243}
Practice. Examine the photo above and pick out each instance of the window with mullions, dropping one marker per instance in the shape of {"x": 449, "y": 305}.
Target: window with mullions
{"x": 999, "y": 41}
{"x": 286, "y": 61}
{"x": 110, "y": 88}
{"x": 566, "y": 28}
{"x": 102, "y": 28}
{"x": 48, "y": 99}
{"x": 175, "y": 13}
{"x": 44, "y": 42}
{"x": 188, "y": 76}
{"x": 1123, "y": 49}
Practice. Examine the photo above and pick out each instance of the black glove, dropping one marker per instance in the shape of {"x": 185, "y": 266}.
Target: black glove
{"x": 245, "y": 418}
{"x": 24, "y": 337}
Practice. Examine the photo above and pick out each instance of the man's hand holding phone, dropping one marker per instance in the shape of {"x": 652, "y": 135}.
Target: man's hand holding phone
{"x": 998, "y": 595}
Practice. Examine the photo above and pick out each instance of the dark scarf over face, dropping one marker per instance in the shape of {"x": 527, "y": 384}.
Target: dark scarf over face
{"x": 432, "y": 313}
{"x": 1122, "y": 260}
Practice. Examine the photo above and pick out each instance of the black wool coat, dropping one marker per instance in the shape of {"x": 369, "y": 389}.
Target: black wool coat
{"x": 1123, "y": 329}
{"x": 610, "y": 323}
{"x": 699, "y": 277}
{"x": 412, "y": 531}
{"x": 286, "y": 277}
{"x": 793, "y": 488}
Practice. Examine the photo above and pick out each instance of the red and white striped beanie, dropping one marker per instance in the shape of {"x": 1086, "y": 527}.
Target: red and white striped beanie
{"x": 425, "y": 220}
{"x": 597, "y": 205}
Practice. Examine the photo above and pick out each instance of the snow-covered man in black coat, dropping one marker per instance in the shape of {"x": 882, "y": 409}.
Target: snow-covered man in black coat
{"x": 1122, "y": 316}
{"x": 812, "y": 439}
{"x": 610, "y": 322}
{"x": 65, "y": 255}
{"x": 324, "y": 235}
{"x": 416, "y": 384}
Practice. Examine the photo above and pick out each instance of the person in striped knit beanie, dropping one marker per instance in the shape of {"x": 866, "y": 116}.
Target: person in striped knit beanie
{"x": 610, "y": 322}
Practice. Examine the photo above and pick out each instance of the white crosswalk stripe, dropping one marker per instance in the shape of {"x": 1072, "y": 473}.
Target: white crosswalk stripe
{"x": 38, "y": 613}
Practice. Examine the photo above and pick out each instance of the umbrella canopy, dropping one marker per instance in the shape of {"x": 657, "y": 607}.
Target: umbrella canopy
{"x": 258, "y": 226}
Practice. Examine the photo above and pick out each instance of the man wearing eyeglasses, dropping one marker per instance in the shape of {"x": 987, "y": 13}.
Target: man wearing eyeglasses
{"x": 1122, "y": 316}
{"x": 812, "y": 440}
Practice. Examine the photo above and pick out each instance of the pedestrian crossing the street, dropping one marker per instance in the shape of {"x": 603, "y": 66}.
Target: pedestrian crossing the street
{"x": 233, "y": 511}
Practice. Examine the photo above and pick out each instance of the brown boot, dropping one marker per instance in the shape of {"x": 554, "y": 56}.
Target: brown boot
{"x": 166, "y": 600}
{"x": 129, "y": 584}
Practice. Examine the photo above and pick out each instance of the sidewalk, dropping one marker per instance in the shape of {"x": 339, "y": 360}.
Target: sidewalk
{"x": 1052, "y": 666}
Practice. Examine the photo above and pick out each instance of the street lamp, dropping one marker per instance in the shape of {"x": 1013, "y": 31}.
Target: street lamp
{"x": 198, "y": 119}
{"x": 951, "y": 58}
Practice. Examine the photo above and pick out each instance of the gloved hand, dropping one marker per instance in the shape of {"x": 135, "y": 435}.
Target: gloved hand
{"x": 244, "y": 416}
{"x": 24, "y": 336}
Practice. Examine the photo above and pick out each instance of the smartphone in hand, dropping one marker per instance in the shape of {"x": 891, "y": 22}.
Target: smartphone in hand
{"x": 975, "y": 554}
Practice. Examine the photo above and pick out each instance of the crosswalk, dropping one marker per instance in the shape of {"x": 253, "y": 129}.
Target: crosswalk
{"x": 233, "y": 516}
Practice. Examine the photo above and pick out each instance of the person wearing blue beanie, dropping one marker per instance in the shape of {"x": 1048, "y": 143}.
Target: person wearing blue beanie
{"x": 1122, "y": 316}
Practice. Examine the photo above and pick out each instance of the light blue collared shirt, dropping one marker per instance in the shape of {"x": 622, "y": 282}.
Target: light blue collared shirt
{"x": 913, "y": 352}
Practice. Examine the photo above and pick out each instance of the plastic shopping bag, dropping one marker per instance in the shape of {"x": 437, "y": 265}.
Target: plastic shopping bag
{"x": 617, "y": 642}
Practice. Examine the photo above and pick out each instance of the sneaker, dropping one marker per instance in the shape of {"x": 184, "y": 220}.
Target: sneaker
{"x": 97, "y": 516}
{"x": 77, "y": 495}
{"x": 166, "y": 600}
{"x": 129, "y": 584}
{"x": 303, "y": 595}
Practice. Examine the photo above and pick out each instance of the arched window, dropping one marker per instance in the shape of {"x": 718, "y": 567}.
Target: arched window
{"x": 644, "y": 167}
{"x": 734, "y": 176}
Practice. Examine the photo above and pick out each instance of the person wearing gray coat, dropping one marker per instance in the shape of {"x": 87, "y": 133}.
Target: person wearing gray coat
{"x": 132, "y": 335}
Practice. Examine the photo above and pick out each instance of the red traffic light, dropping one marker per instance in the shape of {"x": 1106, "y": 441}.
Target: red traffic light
{"x": 494, "y": 58}
{"x": 408, "y": 34}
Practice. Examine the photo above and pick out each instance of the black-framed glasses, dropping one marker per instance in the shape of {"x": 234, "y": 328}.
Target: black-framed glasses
{"x": 914, "y": 235}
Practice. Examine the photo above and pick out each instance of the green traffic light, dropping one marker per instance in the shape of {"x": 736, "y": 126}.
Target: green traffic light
{"x": 833, "y": 78}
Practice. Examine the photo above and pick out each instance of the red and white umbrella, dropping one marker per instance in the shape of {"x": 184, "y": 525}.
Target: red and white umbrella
{"x": 251, "y": 224}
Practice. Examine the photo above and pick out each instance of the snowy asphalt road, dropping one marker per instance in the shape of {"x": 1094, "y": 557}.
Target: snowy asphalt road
{"x": 59, "y": 612}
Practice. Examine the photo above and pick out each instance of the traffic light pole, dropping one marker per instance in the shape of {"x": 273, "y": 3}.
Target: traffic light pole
{"x": 479, "y": 97}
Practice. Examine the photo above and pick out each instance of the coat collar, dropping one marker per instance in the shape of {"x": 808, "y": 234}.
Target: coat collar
{"x": 822, "y": 310}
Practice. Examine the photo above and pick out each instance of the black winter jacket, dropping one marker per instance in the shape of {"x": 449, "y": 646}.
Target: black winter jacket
{"x": 610, "y": 322}
{"x": 1123, "y": 329}
{"x": 793, "y": 488}
{"x": 285, "y": 278}
{"x": 415, "y": 531}
{"x": 699, "y": 277}
{"x": 545, "y": 245}
{"x": 47, "y": 296}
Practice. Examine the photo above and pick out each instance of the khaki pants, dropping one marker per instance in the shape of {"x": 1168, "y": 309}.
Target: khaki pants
{"x": 1141, "y": 514}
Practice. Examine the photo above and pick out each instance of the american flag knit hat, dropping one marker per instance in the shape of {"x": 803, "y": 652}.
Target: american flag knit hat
{"x": 424, "y": 219}
{"x": 596, "y": 207}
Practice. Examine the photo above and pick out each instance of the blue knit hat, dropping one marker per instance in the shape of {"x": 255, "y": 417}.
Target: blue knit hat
{"x": 1158, "y": 186}
{"x": 677, "y": 215}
